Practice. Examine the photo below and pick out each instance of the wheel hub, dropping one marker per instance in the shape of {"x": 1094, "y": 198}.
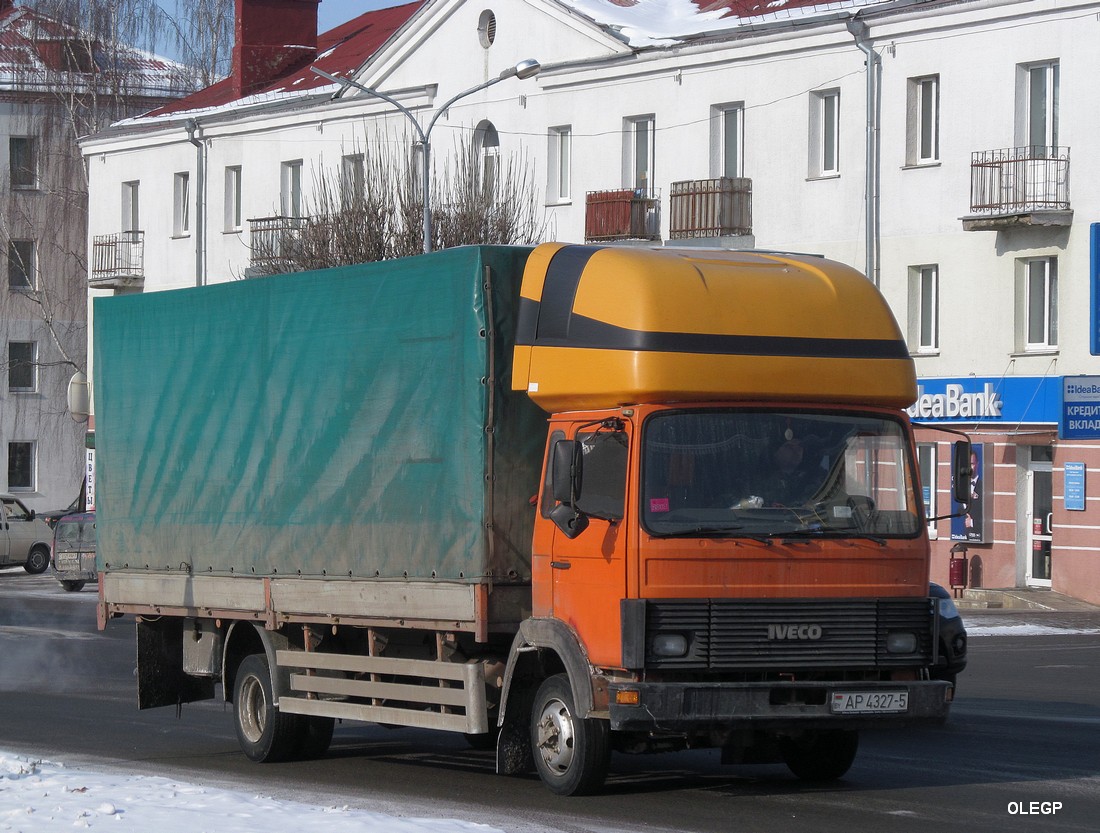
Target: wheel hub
{"x": 556, "y": 736}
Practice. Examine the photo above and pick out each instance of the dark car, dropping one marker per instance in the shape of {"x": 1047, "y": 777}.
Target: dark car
{"x": 74, "y": 550}
{"x": 952, "y": 653}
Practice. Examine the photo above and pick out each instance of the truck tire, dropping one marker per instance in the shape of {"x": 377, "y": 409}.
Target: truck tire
{"x": 37, "y": 561}
{"x": 265, "y": 734}
{"x": 314, "y": 737}
{"x": 572, "y": 754}
{"x": 72, "y": 586}
{"x": 822, "y": 755}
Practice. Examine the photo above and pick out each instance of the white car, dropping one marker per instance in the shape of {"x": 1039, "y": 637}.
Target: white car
{"x": 24, "y": 539}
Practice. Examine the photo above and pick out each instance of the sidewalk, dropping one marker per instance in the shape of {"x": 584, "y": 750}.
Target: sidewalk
{"x": 1020, "y": 599}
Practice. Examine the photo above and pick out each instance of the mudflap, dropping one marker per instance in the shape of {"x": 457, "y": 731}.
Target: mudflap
{"x": 514, "y": 755}
{"x": 160, "y": 676}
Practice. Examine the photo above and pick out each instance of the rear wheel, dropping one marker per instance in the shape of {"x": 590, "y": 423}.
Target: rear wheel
{"x": 37, "y": 561}
{"x": 314, "y": 737}
{"x": 571, "y": 753}
{"x": 820, "y": 756}
{"x": 72, "y": 586}
{"x": 265, "y": 734}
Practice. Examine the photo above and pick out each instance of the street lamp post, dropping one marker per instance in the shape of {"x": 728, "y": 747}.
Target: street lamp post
{"x": 524, "y": 69}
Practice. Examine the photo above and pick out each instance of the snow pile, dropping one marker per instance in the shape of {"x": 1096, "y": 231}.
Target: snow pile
{"x": 43, "y": 797}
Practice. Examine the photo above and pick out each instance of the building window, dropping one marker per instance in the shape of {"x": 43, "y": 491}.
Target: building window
{"x": 726, "y": 135}
{"x": 1039, "y": 110}
{"x": 291, "y": 192}
{"x": 233, "y": 198}
{"x": 22, "y": 367}
{"x": 22, "y": 466}
{"x": 352, "y": 179}
{"x": 22, "y": 162}
{"x": 560, "y": 157}
{"x": 923, "y": 123}
{"x": 22, "y": 269}
{"x": 181, "y": 205}
{"x": 486, "y": 28}
{"x": 825, "y": 133}
{"x": 926, "y": 462}
{"x": 1037, "y": 298}
{"x": 638, "y": 155}
{"x": 487, "y": 140}
{"x": 924, "y": 308}
{"x": 130, "y": 191}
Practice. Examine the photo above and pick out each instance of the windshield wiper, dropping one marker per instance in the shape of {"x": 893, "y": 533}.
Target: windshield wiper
{"x": 823, "y": 532}
{"x": 733, "y": 531}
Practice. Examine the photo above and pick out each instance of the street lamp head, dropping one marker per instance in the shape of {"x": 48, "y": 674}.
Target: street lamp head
{"x": 527, "y": 68}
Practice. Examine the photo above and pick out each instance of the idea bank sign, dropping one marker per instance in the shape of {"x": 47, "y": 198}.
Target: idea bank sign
{"x": 1013, "y": 399}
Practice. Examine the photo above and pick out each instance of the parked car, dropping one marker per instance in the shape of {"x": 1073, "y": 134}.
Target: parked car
{"x": 952, "y": 654}
{"x": 52, "y": 516}
{"x": 24, "y": 538}
{"x": 74, "y": 550}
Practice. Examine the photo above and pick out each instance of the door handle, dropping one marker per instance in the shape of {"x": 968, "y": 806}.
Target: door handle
{"x": 560, "y": 565}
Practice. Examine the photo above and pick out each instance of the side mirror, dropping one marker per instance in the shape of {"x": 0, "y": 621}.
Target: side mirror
{"x": 565, "y": 481}
{"x": 962, "y": 472}
{"x": 566, "y": 471}
{"x": 30, "y": 514}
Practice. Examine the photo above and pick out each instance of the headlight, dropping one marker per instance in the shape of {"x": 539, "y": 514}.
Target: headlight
{"x": 901, "y": 643}
{"x": 669, "y": 645}
{"x": 948, "y": 609}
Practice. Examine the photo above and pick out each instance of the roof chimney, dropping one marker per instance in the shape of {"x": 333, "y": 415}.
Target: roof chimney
{"x": 272, "y": 38}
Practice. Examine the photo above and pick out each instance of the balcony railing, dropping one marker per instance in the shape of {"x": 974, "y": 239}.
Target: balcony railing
{"x": 1019, "y": 180}
{"x": 710, "y": 208}
{"x": 621, "y": 215}
{"x": 275, "y": 243}
{"x": 118, "y": 260}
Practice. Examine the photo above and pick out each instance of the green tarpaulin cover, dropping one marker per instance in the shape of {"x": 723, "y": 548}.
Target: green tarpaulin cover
{"x": 336, "y": 423}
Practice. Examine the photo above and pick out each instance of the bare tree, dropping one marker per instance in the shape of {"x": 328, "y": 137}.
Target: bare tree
{"x": 379, "y": 216}
{"x": 77, "y": 67}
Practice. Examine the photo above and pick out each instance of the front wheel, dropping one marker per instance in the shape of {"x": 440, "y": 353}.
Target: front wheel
{"x": 820, "y": 756}
{"x": 265, "y": 734}
{"x": 37, "y": 561}
{"x": 571, "y": 753}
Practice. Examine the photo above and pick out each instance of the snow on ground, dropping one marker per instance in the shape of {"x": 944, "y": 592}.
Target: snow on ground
{"x": 1030, "y": 629}
{"x": 44, "y": 797}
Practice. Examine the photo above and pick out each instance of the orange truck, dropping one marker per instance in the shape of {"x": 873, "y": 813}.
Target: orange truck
{"x": 565, "y": 500}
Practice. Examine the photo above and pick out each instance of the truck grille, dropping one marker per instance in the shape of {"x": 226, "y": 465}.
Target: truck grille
{"x": 789, "y": 634}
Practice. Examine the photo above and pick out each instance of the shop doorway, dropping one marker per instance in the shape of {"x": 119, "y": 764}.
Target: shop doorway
{"x": 1040, "y": 527}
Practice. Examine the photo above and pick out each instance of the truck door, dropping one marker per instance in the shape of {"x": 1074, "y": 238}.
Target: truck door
{"x": 588, "y": 572}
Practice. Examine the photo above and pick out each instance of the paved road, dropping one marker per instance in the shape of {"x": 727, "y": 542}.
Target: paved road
{"x": 1025, "y": 728}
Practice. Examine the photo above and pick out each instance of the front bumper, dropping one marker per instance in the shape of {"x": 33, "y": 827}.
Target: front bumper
{"x": 687, "y": 707}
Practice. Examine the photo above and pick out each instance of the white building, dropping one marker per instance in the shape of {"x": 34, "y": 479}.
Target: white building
{"x": 55, "y": 79}
{"x": 927, "y": 143}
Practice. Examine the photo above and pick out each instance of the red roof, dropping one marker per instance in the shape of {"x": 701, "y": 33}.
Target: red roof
{"x": 340, "y": 51}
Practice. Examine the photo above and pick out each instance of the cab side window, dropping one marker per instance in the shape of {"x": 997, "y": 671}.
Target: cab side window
{"x": 603, "y": 488}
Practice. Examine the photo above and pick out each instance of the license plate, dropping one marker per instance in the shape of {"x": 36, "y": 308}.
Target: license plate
{"x": 68, "y": 561}
{"x": 870, "y": 702}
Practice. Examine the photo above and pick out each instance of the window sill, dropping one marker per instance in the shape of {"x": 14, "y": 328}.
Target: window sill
{"x": 183, "y": 236}
{"x": 556, "y": 203}
{"x": 916, "y": 166}
{"x": 232, "y": 230}
{"x": 1039, "y": 351}
{"x": 820, "y": 177}
{"x": 917, "y": 354}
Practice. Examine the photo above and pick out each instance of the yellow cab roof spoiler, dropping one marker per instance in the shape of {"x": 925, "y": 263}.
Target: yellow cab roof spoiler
{"x": 602, "y": 327}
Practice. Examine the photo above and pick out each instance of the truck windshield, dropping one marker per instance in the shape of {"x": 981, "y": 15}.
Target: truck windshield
{"x": 756, "y": 473}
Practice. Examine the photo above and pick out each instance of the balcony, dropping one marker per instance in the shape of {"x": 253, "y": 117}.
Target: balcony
{"x": 1024, "y": 186}
{"x": 702, "y": 208}
{"x": 621, "y": 215}
{"x": 118, "y": 261}
{"x": 275, "y": 244}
